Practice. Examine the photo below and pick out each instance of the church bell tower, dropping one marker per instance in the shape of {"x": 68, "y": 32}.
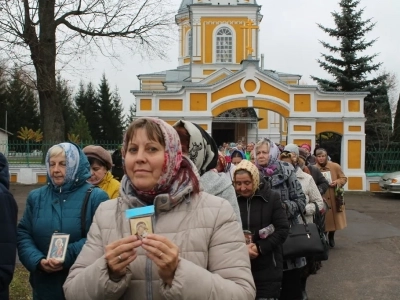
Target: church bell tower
{"x": 216, "y": 34}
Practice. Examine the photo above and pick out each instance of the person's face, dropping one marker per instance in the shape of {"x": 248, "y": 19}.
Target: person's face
{"x": 308, "y": 152}
{"x": 249, "y": 148}
{"x": 236, "y": 160}
{"x": 294, "y": 158}
{"x": 140, "y": 230}
{"x": 57, "y": 169}
{"x": 252, "y": 158}
{"x": 262, "y": 154}
{"x": 239, "y": 147}
{"x": 243, "y": 185}
{"x": 144, "y": 161}
{"x": 321, "y": 158}
{"x": 97, "y": 171}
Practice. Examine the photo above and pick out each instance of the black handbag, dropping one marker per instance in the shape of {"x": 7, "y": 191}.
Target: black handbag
{"x": 319, "y": 220}
{"x": 303, "y": 241}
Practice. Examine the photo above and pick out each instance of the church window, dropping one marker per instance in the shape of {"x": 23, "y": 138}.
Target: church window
{"x": 224, "y": 45}
{"x": 189, "y": 43}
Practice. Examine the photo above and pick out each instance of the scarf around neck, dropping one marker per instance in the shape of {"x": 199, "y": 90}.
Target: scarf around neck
{"x": 171, "y": 181}
{"x": 203, "y": 150}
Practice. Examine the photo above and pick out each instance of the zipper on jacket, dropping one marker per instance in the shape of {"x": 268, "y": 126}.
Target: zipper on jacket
{"x": 149, "y": 265}
{"x": 248, "y": 213}
{"x": 273, "y": 258}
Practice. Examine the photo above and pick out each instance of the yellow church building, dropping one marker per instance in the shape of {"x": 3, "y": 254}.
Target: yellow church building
{"x": 221, "y": 84}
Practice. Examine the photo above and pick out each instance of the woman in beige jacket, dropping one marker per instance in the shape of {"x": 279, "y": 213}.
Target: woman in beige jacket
{"x": 335, "y": 219}
{"x": 196, "y": 250}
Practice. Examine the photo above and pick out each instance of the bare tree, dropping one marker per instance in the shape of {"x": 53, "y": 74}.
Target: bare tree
{"x": 43, "y": 33}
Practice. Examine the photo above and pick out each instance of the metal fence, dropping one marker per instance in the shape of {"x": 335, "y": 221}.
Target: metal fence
{"x": 33, "y": 154}
{"x": 382, "y": 161}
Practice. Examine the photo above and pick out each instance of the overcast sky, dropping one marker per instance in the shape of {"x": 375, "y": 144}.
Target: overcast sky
{"x": 289, "y": 40}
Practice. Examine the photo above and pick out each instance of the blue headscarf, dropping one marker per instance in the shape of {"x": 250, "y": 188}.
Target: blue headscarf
{"x": 71, "y": 159}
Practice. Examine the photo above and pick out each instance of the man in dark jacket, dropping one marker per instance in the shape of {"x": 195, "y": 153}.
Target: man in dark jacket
{"x": 8, "y": 232}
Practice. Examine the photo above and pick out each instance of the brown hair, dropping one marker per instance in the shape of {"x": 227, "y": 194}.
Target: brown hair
{"x": 152, "y": 130}
{"x": 154, "y": 133}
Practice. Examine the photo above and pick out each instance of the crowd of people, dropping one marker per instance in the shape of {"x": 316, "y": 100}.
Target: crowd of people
{"x": 221, "y": 217}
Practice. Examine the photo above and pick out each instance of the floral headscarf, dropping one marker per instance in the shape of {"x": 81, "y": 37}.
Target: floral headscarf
{"x": 71, "y": 161}
{"x": 273, "y": 156}
{"x": 168, "y": 181}
{"x": 252, "y": 169}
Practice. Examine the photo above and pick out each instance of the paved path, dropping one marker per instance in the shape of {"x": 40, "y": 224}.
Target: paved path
{"x": 365, "y": 264}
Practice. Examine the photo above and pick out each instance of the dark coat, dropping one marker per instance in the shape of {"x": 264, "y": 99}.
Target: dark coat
{"x": 265, "y": 208}
{"x": 8, "y": 230}
{"x": 319, "y": 179}
{"x": 51, "y": 209}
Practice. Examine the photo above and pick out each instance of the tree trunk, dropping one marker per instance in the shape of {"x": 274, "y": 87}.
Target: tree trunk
{"x": 44, "y": 59}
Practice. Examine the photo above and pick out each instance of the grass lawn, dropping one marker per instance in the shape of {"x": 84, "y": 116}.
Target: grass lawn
{"x": 20, "y": 289}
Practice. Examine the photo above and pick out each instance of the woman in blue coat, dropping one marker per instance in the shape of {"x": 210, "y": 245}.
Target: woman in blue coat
{"x": 57, "y": 208}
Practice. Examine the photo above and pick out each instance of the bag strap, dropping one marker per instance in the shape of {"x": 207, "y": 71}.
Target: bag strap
{"x": 83, "y": 211}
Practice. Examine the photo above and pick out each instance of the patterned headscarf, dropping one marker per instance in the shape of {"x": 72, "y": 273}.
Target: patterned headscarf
{"x": 274, "y": 153}
{"x": 168, "y": 181}
{"x": 252, "y": 169}
{"x": 71, "y": 161}
{"x": 222, "y": 165}
{"x": 203, "y": 150}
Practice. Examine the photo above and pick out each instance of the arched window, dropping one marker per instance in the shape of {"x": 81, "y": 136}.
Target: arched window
{"x": 224, "y": 45}
{"x": 189, "y": 43}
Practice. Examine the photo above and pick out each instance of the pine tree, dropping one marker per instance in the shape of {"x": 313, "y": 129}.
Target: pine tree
{"x": 118, "y": 116}
{"x": 106, "y": 110}
{"x": 81, "y": 128}
{"x": 132, "y": 114}
{"x": 22, "y": 105}
{"x": 351, "y": 71}
{"x": 87, "y": 103}
{"x": 396, "y": 126}
{"x": 64, "y": 95}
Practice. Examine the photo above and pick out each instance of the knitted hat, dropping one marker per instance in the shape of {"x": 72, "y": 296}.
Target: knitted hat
{"x": 252, "y": 169}
{"x": 303, "y": 154}
{"x": 306, "y": 146}
{"x": 99, "y": 153}
{"x": 292, "y": 148}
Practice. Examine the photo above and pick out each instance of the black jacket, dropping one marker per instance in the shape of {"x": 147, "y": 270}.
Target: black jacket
{"x": 319, "y": 179}
{"x": 265, "y": 208}
{"x": 8, "y": 230}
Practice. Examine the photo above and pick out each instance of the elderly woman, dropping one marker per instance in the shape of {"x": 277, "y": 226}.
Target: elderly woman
{"x": 335, "y": 219}
{"x": 196, "y": 248}
{"x": 57, "y": 208}
{"x": 282, "y": 177}
{"x": 202, "y": 150}
{"x": 100, "y": 165}
{"x": 261, "y": 207}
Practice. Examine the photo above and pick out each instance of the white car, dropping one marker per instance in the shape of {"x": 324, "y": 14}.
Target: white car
{"x": 390, "y": 182}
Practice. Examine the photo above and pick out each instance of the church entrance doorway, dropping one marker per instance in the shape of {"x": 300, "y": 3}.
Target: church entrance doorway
{"x": 332, "y": 143}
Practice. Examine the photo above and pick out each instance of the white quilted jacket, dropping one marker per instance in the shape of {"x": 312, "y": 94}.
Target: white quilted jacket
{"x": 214, "y": 258}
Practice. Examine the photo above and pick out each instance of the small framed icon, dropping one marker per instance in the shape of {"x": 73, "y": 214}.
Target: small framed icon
{"x": 141, "y": 227}
{"x": 58, "y": 246}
